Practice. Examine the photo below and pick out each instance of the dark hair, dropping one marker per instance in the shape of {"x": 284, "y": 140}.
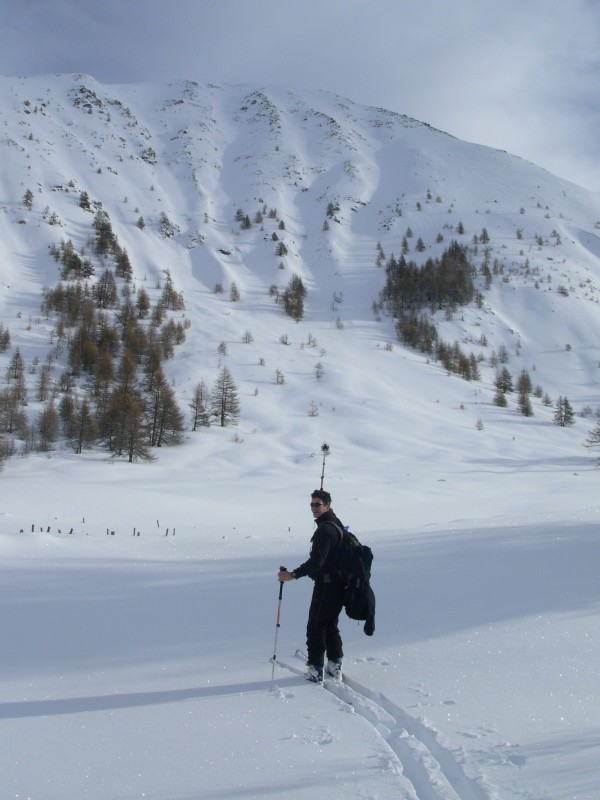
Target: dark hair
{"x": 322, "y": 495}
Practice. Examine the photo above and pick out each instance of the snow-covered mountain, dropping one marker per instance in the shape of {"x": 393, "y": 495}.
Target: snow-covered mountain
{"x": 339, "y": 185}
{"x": 135, "y": 661}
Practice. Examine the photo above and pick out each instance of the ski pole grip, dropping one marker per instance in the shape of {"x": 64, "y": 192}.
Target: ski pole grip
{"x": 281, "y": 569}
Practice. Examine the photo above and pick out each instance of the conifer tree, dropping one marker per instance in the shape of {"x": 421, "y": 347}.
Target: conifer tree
{"x": 224, "y": 403}
{"x": 104, "y": 290}
{"x": 84, "y": 430}
{"x": 104, "y": 373}
{"x": 4, "y": 338}
{"x": 15, "y": 376}
{"x": 142, "y": 304}
{"x": 16, "y": 365}
{"x": 122, "y": 423}
{"x": 593, "y": 439}
{"x": 48, "y": 427}
{"x": 104, "y": 233}
{"x": 200, "y": 406}
{"x": 7, "y": 449}
{"x": 44, "y": 382}
{"x": 165, "y": 420}
{"x": 524, "y": 384}
{"x": 66, "y": 412}
{"x": 500, "y": 398}
{"x": 135, "y": 435}
{"x": 563, "y": 413}
{"x": 524, "y": 404}
{"x": 152, "y": 366}
{"x": 123, "y": 266}
{"x": 503, "y": 381}
{"x": 12, "y": 417}
{"x": 293, "y": 298}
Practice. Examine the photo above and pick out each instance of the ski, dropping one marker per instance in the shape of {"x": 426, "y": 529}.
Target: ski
{"x": 331, "y": 685}
{"x": 340, "y": 688}
{"x": 303, "y": 657}
{"x": 296, "y": 670}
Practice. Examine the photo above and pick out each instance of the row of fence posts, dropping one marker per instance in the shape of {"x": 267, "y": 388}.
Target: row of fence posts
{"x": 136, "y": 532}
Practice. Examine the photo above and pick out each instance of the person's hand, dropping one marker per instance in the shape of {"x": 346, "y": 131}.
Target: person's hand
{"x": 283, "y": 575}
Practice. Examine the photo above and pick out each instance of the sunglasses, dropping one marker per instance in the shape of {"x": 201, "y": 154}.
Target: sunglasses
{"x": 316, "y": 505}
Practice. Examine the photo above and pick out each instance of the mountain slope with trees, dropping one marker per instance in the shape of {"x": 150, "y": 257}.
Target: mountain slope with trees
{"x": 157, "y": 238}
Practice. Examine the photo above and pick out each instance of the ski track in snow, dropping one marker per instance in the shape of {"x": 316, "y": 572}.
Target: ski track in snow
{"x": 431, "y": 768}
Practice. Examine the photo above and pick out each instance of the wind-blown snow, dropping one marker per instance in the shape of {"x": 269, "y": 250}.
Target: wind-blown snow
{"x": 139, "y": 600}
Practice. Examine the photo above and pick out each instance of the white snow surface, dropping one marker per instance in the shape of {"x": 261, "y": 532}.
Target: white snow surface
{"x": 139, "y": 601}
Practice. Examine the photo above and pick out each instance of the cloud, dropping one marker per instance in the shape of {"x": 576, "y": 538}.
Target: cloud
{"x": 517, "y": 75}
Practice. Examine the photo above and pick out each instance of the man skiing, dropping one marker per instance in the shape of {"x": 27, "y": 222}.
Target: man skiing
{"x": 322, "y": 633}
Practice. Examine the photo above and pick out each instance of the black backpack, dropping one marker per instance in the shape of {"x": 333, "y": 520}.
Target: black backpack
{"x": 355, "y": 569}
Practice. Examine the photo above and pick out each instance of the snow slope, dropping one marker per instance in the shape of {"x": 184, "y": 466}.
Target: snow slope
{"x": 138, "y": 665}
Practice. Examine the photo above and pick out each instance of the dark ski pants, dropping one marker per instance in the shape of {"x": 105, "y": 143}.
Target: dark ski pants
{"x": 322, "y": 633}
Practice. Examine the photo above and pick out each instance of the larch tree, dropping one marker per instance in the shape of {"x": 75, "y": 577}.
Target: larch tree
{"x": 293, "y": 298}
{"x": 199, "y": 406}
{"x": 48, "y": 425}
{"x": 135, "y": 435}
{"x": 122, "y": 424}
{"x": 593, "y": 439}
{"x": 225, "y": 405}
{"x": 84, "y": 430}
{"x": 165, "y": 420}
{"x": 563, "y": 413}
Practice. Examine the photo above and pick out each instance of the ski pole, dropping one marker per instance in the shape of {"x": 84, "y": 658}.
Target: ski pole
{"x": 277, "y": 626}
{"x": 325, "y": 451}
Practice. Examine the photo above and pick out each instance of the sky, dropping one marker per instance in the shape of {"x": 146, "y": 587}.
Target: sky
{"x": 519, "y": 75}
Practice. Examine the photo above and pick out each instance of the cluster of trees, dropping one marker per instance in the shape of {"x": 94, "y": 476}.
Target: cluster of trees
{"x": 106, "y": 244}
{"x": 292, "y": 297}
{"x": 221, "y": 404}
{"x": 455, "y": 360}
{"x": 92, "y": 335}
{"x": 113, "y": 391}
{"x": 504, "y": 385}
{"x": 563, "y": 413}
{"x": 245, "y": 222}
{"x": 441, "y": 283}
{"x": 113, "y": 341}
{"x": 128, "y": 409}
{"x": 76, "y": 266}
{"x": 564, "y": 416}
{"x": 411, "y": 291}
{"x": 417, "y": 331}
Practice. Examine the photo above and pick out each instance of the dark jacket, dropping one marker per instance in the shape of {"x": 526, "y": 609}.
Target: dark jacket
{"x": 323, "y": 561}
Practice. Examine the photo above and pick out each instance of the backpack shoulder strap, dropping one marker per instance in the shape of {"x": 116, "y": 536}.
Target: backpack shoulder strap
{"x": 340, "y": 530}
